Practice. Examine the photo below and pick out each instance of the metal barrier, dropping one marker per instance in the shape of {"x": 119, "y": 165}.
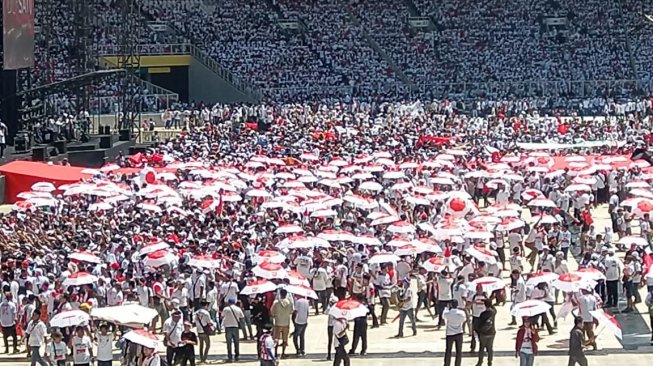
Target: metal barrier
{"x": 156, "y": 135}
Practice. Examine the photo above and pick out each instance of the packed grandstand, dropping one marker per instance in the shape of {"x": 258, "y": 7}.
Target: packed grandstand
{"x": 371, "y": 49}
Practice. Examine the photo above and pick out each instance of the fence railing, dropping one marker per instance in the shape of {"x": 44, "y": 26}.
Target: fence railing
{"x": 147, "y": 49}
{"x": 156, "y": 135}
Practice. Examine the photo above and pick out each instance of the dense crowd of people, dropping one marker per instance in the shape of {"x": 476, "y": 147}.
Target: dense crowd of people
{"x": 362, "y": 211}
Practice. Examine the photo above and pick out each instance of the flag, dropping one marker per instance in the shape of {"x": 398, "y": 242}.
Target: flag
{"x": 220, "y": 206}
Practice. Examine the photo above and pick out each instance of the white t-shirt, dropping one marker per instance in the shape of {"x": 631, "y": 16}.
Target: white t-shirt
{"x": 320, "y": 279}
{"x": 586, "y": 304}
{"x": 153, "y": 360}
{"x": 81, "y": 349}
{"x": 56, "y": 351}
{"x": 302, "y": 308}
{"x": 37, "y": 331}
{"x": 407, "y": 299}
{"x": 455, "y": 318}
{"x": 527, "y": 346}
{"x": 7, "y": 314}
{"x": 444, "y": 288}
{"x": 104, "y": 347}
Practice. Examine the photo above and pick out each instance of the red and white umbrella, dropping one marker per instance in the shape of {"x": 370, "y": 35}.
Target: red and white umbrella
{"x": 159, "y": 258}
{"x": 153, "y": 247}
{"x": 401, "y": 227}
{"x": 296, "y": 278}
{"x": 608, "y": 321}
{"x": 545, "y": 219}
{"x": 437, "y": 264}
{"x": 409, "y": 249}
{"x": 398, "y": 242}
{"x": 79, "y": 279}
{"x": 385, "y": 220}
{"x": 149, "y": 207}
{"x": 531, "y": 194}
{"x": 367, "y": 239}
{"x": 204, "y": 261}
{"x": 348, "y": 309}
{"x": 529, "y": 308}
{"x": 43, "y": 187}
{"x": 69, "y": 319}
{"x": 336, "y": 235}
{"x": 638, "y": 184}
{"x": 591, "y": 273}
{"x": 257, "y": 287}
{"x": 632, "y": 239}
{"x": 482, "y": 254}
{"x": 478, "y": 234}
{"x": 360, "y": 202}
{"x": 23, "y": 206}
{"x": 571, "y": 282}
{"x": 300, "y": 290}
{"x": 510, "y": 223}
{"x": 370, "y": 186}
{"x": 288, "y": 229}
{"x": 489, "y": 284}
{"x": 578, "y": 188}
{"x": 271, "y": 256}
{"x": 303, "y": 242}
{"x": 85, "y": 256}
{"x": 258, "y": 193}
{"x": 384, "y": 258}
{"x": 270, "y": 271}
{"x": 542, "y": 202}
{"x": 324, "y": 213}
{"x": 143, "y": 337}
{"x": 541, "y": 277}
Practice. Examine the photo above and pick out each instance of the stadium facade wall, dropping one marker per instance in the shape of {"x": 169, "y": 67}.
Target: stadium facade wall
{"x": 205, "y": 85}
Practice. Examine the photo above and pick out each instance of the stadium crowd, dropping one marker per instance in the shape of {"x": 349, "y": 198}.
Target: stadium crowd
{"x": 346, "y": 209}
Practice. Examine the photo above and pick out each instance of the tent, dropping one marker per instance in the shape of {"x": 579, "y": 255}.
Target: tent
{"x": 21, "y": 175}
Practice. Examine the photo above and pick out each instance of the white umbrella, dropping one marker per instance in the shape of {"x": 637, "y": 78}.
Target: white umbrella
{"x": 529, "y": 308}
{"x": 384, "y": 258}
{"x": 79, "y": 279}
{"x": 302, "y": 291}
{"x": 130, "y": 314}
{"x": 153, "y": 247}
{"x": 69, "y": 319}
{"x": 85, "y": 256}
{"x": 348, "y": 309}
{"x": 269, "y": 256}
{"x": 43, "y": 187}
{"x": 370, "y": 186}
{"x": 401, "y": 227}
{"x": 542, "y": 202}
{"x": 270, "y": 271}
{"x": 288, "y": 229}
{"x": 489, "y": 284}
{"x": 159, "y": 258}
{"x": 258, "y": 287}
{"x": 578, "y": 187}
{"x": 143, "y": 337}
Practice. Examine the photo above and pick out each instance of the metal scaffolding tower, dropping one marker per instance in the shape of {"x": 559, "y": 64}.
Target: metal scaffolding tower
{"x": 129, "y": 59}
{"x": 82, "y": 56}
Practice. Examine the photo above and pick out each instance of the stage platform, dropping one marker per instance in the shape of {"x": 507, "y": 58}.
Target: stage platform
{"x": 91, "y": 154}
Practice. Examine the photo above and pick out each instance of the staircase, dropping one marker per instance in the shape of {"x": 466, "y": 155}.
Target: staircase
{"x": 375, "y": 46}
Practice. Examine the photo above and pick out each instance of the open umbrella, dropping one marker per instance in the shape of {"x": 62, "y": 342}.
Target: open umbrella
{"x": 489, "y": 284}
{"x": 143, "y": 337}
{"x": 270, "y": 271}
{"x": 85, "y": 256}
{"x": 608, "y": 321}
{"x": 69, "y": 319}
{"x": 204, "y": 261}
{"x": 591, "y": 273}
{"x": 300, "y": 290}
{"x": 541, "y": 277}
{"x": 288, "y": 229}
{"x": 79, "y": 279}
{"x": 132, "y": 315}
{"x": 401, "y": 227}
{"x": 271, "y": 256}
{"x": 159, "y": 258}
{"x": 296, "y": 278}
{"x": 571, "y": 282}
{"x": 384, "y": 258}
{"x": 348, "y": 309}
{"x": 482, "y": 254}
{"x": 257, "y": 287}
{"x": 153, "y": 247}
{"x": 529, "y": 308}
{"x": 632, "y": 239}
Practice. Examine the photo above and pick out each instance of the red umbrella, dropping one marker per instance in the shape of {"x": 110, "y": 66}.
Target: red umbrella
{"x": 348, "y": 309}
{"x": 270, "y": 271}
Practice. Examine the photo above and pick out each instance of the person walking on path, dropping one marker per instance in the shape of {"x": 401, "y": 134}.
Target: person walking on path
{"x": 282, "y": 310}
{"x": 406, "y": 309}
{"x": 340, "y": 340}
{"x": 454, "y": 319}
{"x": 300, "y": 320}
{"x": 577, "y": 342}
{"x": 526, "y": 343}
{"x": 486, "y": 333}
{"x": 232, "y": 315}
{"x": 267, "y": 352}
{"x": 36, "y": 332}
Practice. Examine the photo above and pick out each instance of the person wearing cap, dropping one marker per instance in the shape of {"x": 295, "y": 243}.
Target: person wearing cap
{"x": 172, "y": 329}
{"x": 232, "y": 315}
{"x": 406, "y": 308}
{"x": 526, "y": 342}
{"x": 56, "y": 350}
{"x": 151, "y": 357}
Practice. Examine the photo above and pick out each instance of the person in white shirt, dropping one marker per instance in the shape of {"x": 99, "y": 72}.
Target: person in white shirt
{"x": 384, "y": 282}
{"x": 57, "y": 350}
{"x": 444, "y": 282}
{"x": 300, "y": 320}
{"x": 340, "y": 326}
{"x": 422, "y": 299}
{"x": 232, "y": 316}
{"x": 406, "y": 309}
{"x": 454, "y": 318}
{"x": 587, "y": 304}
{"x": 612, "y": 274}
{"x": 172, "y": 329}
{"x": 104, "y": 346}
{"x": 36, "y": 331}
{"x": 320, "y": 279}
{"x": 82, "y": 348}
{"x": 517, "y": 291}
{"x": 565, "y": 240}
{"x": 180, "y": 293}
{"x": 205, "y": 327}
{"x": 151, "y": 358}
{"x": 8, "y": 319}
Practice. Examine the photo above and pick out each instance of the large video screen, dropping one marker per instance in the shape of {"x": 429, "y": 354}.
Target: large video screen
{"x": 18, "y": 33}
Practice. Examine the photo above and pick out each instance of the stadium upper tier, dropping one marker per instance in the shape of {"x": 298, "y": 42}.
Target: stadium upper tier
{"x": 296, "y": 49}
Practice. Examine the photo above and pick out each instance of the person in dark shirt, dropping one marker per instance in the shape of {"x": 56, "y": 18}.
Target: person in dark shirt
{"x": 486, "y": 332}
{"x": 260, "y": 317}
{"x": 577, "y": 342}
{"x": 189, "y": 338}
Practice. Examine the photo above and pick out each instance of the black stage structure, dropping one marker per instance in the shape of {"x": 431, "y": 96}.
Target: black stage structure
{"x": 28, "y": 97}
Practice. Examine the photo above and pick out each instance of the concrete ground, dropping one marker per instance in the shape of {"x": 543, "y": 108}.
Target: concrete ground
{"x": 427, "y": 348}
